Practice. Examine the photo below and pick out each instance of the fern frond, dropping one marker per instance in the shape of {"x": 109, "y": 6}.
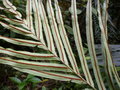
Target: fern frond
{"x": 51, "y": 64}
{"x": 91, "y": 46}
{"x": 109, "y": 65}
{"x": 78, "y": 42}
{"x": 44, "y": 29}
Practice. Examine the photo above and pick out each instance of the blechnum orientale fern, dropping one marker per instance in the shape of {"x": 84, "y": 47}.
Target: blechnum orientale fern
{"x": 43, "y": 29}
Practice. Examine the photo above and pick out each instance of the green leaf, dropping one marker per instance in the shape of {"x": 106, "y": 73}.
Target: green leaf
{"x": 69, "y": 29}
{"x": 78, "y": 10}
{"x": 15, "y": 80}
{"x": 118, "y": 68}
{"x": 34, "y": 80}
{"x": 54, "y": 89}
{"x": 61, "y": 88}
{"x": 44, "y": 88}
{"x": 22, "y": 85}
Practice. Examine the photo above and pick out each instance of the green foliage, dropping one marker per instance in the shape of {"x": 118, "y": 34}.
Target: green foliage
{"x": 21, "y": 84}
